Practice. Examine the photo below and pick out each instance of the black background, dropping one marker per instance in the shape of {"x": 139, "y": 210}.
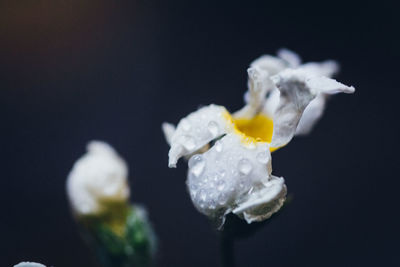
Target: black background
{"x": 73, "y": 71}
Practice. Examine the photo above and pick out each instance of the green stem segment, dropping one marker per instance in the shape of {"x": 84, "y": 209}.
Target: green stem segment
{"x": 122, "y": 237}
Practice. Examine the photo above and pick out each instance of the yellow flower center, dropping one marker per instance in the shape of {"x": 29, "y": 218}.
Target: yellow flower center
{"x": 257, "y": 129}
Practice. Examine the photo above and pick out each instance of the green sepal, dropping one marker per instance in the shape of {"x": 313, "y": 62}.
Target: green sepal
{"x": 121, "y": 237}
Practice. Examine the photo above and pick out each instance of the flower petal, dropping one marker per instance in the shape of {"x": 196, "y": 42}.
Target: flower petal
{"x": 270, "y": 64}
{"x": 293, "y": 59}
{"x": 297, "y": 89}
{"x": 259, "y": 84}
{"x": 263, "y": 202}
{"x": 311, "y": 115}
{"x": 169, "y": 130}
{"x": 97, "y": 177}
{"x": 326, "y": 68}
{"x": 224, "y": 177}
{"x": 196, "y": 130}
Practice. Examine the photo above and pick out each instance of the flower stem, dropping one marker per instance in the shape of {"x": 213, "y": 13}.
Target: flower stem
{"x": 227, "y": 250}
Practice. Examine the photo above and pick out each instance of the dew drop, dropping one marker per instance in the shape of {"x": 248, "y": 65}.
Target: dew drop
{"x": 220, "y": 185}
{"x": 193, "y": 187}
{"x": 193, "y": 194}
{"x": 197, "y": 165}
{"x": 212, "y": 205}
{"x": 205, "y": 179}
{"x": 203, "y": 195}
{"x": 215, "y": 177}
{"x": 251, "y": 145}
{"x": 211, "y": 184}
{"x": 244, "y": 167}
{"x": 234, "y": 172}
{"x": 213, "y": 128}
{"x": 222, "y": 198}
{"x": 218, "y": 146}
{"x": 221, "y": 173}
{"x": 250, "y": 191}
{"x": 263, "y": 157}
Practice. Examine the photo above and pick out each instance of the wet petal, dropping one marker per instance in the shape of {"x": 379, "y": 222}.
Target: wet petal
{"x": 259, "y": 84}
{"x": 297, "y": 89}
{"x": 311, "y": 115}
{"x": 263, "y": 202}
{"x": 225, "y": 176}
{"x": 97, "y": 177}
{"x": 196, "y": 130}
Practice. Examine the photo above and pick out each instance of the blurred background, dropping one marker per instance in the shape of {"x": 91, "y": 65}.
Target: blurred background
{"x": 73, "y": 71}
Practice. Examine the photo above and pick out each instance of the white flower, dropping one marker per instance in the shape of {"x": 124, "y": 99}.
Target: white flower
{"x": 29, "y": 264}
{"x": 98, "y": 178}
{"x": 234, "y": 175}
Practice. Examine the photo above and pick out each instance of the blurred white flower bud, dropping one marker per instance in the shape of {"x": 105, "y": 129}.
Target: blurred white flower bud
{"x": 29, "y": 264}
{"x": 98, "y": 178}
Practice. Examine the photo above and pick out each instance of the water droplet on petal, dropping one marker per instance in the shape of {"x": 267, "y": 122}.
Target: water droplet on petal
{"x": 193, "y": 194}
{"x": 263, "y": 157}
{"x": 212, "y": 204}
{"x": 218, "y": 146}
{"x": 222, "y": 198}
{"x": 215, "y": 177}
{"x": 211, "y": 184}
{"x": 220, "y": 185}
{"x": 193, "y": 187}
{"x": 203, "y": 195}
{"x": 222, "y": 173}
{"x": 250, "y": 191}
{"x": 244, "y": 167}
{"x": 213, "y": 128}
{"x": 251, "y": 145}
{"x": 234, "y": 173}
{"x": 196, "y": 165}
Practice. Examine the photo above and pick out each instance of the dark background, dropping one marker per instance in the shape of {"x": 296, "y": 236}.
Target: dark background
{"x": 73, "y": 71}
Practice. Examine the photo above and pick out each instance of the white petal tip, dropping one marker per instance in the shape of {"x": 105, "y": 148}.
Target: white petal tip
{"x": 29, "y": 264}
{"x": 168, "y": 130}
{"x": 289, "y": 56}
{"x": 172, "y": 162}
{"x": 171, "y": 165}
{"x": 350, "y": 90}
{"x": 262, "y": 204}
{"x": 96, "y": 146}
